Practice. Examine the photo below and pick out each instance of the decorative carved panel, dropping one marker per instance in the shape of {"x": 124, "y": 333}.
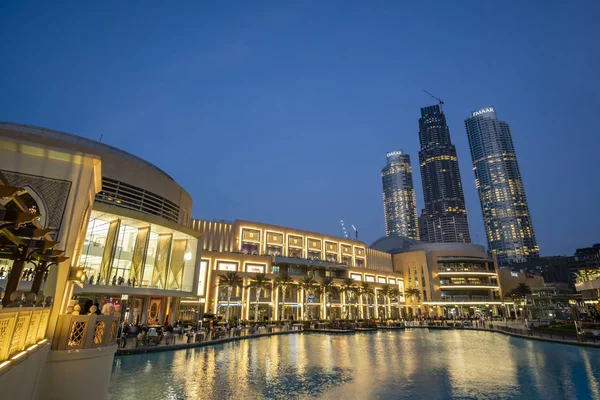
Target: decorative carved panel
{"x": 346, "y": 249}
{"x": 276, "y": 238}
{"x": 53, "y": 194}
{"x": 331, "y": 247}
{"x": 314, "y": 244}
{"x": 295, "y": 241}
{"x": 360, "y": 252}
{"x": 250, "y": 235}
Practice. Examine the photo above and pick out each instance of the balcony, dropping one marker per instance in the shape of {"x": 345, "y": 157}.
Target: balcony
{"x": 466, "y": 284}
{"x": 21, "y": 329}
{"x": 465, "y": 300}
{"x": 465, "y": 272}
{"x": 309, "y": 263}
{"x": 86, "y": 331}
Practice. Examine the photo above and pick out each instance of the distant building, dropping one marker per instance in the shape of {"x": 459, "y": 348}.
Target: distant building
{"x": 506, "y": 216}
{"x": 444, "y": 218}
{"x": 453, "y": 279}
{"x": 510, "y": 280}
{"x": 586, "y": 272}
{"x": 399, "y": 203}
{"x": 555, "y": 269}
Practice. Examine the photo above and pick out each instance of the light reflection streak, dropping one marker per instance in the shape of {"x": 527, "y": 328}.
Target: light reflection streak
{"x": 410, "y": 364}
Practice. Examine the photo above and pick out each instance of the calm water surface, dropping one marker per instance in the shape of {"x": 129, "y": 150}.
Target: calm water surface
{"x": 380, "y": 365}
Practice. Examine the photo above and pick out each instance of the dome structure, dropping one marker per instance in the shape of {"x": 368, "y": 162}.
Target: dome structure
{"x": 394, "y": 244}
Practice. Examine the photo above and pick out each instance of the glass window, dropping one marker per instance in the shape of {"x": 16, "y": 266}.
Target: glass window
{"x": 255, "y": 268}
{"x": 150, "y": 258}
{"x": 296, "y": 253}
{"x": 226, "y": 266}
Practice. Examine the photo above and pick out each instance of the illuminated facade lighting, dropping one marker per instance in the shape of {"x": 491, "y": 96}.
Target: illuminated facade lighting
{"x": 506, "y": 216}
{"x": 399, "y": 203}
{"x": 444, "y": 219}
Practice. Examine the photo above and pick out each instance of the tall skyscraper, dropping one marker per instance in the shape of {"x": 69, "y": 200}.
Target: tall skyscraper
{"x": 399, "y": 204}
{"x": 506, "y": 217}
{"x": 444, "y": 218}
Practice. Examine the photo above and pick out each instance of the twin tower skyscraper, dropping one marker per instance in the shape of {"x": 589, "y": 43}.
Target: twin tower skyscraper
{"x": 444, "y": 219}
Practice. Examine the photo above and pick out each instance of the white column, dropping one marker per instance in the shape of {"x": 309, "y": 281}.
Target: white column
{"x": 375, "y": 304}
{"x": 248, "y": 304}
{"x": 276, "y": 307}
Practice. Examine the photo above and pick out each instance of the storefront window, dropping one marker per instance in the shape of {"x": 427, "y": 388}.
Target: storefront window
{"x": 150, "y": 258}
{"x": 250, "y": 248}
{"x": 297, "y": 253}
{"x": 274, "y": 250}
{"x": 126, "y": 250}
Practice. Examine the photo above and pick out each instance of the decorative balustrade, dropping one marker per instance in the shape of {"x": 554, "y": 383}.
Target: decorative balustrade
{"x": 21, "y": 328}
{"x": 86, "y": 331}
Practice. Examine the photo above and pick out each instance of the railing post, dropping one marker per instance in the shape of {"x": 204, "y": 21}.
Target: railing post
{"x": 64, "y": 331}
{"x": 90, "y": 331}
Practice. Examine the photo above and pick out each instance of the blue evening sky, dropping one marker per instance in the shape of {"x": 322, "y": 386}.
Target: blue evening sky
{"x": 281, "y": 112}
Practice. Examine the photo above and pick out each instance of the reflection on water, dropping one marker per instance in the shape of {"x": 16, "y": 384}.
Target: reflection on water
{"x": 378, "y": 365}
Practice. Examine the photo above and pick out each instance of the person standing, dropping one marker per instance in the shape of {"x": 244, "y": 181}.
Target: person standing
{"x": 107, "y": 307}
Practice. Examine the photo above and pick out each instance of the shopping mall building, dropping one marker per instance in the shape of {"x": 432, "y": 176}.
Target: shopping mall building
{"x": 98, "y": 210}
{"x": 81, "y": 220}
{"x": 452, "y": 279}
{"x": 250, "y": 248}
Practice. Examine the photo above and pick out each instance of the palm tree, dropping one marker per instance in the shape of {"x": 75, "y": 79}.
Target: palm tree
{"x": 366, "y": 290}
{"x": 385, "y": 292}
{"x": 348, "y": 288}
{"x": 230, "y": 280}
{"x": 260, "y": 283}
{"x": 326, "y": 287}
{"x": 521, "y": 291}
{"x": 413, "y": 293}
{"x": 283, "y": 281}
{"x": 307, "y": 283}
{"x": 395, "y": 293}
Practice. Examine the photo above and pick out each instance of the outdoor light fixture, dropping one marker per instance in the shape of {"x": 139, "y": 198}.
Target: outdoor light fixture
{"x": 77, "y": 274}
{"x": 188, "y": 256}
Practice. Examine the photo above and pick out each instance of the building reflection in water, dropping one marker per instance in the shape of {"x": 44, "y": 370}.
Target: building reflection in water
{"x": 410, "y": 364}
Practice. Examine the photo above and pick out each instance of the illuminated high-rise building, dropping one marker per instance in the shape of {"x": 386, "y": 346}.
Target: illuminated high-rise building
{"x": 506, "y": 216}
{"x": 444, "y": 218}
{"x": 399, "y": 204}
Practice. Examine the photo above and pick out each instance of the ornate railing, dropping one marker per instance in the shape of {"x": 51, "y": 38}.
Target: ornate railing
{"x": 86, "y": 331}
{"x": 21, "y": 328}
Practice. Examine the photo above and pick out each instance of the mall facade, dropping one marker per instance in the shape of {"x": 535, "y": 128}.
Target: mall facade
{"x": 122, "y": 229}
{"x": 452, "y": 279}
{"x": 249, "y": 248}
{"x": 107, "y": 225}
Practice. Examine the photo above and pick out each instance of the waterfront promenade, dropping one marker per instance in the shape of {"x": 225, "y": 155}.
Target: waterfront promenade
{"x": 177, "y": 341}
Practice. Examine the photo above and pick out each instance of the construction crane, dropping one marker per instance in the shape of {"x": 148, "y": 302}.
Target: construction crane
{"x": 437, "y": 98}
